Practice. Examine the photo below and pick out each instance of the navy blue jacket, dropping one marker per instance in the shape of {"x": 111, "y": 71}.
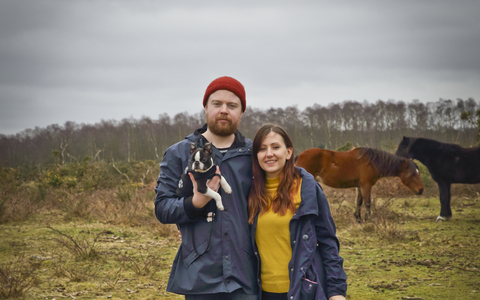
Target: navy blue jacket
{"x": 214, "y": 256}
{"x": 316, "y": 269}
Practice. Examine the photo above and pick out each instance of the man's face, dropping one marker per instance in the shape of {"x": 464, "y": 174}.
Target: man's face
{"x": 223, "y": 111}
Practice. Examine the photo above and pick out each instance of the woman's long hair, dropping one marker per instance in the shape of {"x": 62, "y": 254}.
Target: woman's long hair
{"x": 257, "y": 199}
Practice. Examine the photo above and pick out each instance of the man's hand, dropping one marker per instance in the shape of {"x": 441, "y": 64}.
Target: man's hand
{"x": 199, "y": 200}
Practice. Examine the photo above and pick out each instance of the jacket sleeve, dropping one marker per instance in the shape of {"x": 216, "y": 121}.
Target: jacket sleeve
{"x": 329, "y": 248}
{"x": 169, "y": 207}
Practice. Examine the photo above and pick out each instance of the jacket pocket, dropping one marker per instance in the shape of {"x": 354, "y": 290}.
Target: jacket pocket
{"x": 189, "y": 256}
{"x": 200, "y": 236}
{"x": 309, "y": 285}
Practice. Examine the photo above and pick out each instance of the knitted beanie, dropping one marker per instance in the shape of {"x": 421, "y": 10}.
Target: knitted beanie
{"x": 229, "y": 84}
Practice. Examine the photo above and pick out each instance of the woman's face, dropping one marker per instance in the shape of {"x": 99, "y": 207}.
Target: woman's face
{"x": 273, "y": 154}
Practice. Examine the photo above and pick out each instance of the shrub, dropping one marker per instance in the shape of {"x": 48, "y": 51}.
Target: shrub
{"x": 143, "y": 264}
{"x": 17, "y": 277}
{"x": 82, "y": 245}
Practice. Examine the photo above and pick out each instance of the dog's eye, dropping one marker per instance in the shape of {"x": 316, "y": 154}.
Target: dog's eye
{"x": 203, "y": 159}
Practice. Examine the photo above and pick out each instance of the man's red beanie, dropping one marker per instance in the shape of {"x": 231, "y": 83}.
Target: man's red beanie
{"x": 229, "y": 84}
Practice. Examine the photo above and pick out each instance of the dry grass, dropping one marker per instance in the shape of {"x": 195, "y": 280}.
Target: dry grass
{"x": 126, "y": 204}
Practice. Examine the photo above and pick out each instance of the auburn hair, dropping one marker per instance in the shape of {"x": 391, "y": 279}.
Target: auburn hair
{"x": 289, "y": 179}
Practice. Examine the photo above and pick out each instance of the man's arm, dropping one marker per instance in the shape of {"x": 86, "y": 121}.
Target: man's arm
{"x": 169, "y": 207}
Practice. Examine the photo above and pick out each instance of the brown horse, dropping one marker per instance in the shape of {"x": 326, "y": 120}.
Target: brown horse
{"x": 361, "y": 168}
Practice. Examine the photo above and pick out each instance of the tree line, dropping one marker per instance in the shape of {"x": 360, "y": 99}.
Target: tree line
{"x": 377, "y": 125}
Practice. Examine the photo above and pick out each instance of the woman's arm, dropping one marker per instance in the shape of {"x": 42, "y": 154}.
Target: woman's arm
{"x": 329, "y": 247}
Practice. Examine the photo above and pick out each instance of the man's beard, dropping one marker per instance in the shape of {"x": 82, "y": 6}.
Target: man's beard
{"x": 221, "y": 129}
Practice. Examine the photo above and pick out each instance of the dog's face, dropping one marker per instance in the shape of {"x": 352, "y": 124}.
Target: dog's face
{"x": 201, "y": 158}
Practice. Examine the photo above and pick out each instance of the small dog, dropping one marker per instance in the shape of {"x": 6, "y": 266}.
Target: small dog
{"x": 203, "y": 168}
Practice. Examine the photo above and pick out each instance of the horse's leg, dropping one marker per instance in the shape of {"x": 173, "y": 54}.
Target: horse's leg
{"x": 358, "y": 209}
{"x": 445, "y": 210}
{"x": 366, "y": 191}
{"x": 449, "y": 198}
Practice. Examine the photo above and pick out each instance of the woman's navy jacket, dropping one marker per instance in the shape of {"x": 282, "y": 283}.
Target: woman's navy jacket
{"x": 214, "y": 256}
{"x": 316, "y": 269}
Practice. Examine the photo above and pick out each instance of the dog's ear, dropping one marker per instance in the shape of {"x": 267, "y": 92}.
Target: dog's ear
{"x": 208, "y": 148}
{"x": 193, "y": 147}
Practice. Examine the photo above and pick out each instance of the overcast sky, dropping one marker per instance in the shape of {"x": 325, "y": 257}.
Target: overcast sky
{"x": 84, "y": 61}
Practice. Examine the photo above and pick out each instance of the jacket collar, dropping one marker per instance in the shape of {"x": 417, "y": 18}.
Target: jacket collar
{"x": 310, "y": 191}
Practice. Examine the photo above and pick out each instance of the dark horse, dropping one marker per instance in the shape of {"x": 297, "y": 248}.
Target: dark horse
{"x": 447, "y": 163}
{"x": 360, "y": 168}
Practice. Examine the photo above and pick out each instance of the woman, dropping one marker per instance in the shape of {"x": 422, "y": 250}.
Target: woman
{"x": 293, "y": 231}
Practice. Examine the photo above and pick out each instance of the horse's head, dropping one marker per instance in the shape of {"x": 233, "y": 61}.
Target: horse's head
{"x": 403, "y": 147}
{"x": 410, "y": 176}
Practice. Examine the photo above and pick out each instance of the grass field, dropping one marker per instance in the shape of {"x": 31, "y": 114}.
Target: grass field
{"x": 401, "y": 253}
{"x": 413, "y": 257}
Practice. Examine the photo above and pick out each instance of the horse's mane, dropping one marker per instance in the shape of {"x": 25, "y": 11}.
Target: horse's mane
{"x": 385, "y": 162}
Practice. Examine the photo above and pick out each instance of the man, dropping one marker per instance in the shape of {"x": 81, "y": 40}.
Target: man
{"x": 215, "y": 259}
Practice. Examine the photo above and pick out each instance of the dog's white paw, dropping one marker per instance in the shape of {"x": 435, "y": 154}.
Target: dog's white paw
{"x": 225, "y": 186}
{"x": 227, "y": 189}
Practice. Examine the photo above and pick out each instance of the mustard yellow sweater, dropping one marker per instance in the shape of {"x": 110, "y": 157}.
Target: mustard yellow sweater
{"x": 273, "y": 242}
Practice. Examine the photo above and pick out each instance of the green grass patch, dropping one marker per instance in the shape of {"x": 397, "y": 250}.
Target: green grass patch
{"x": 402, "y": 253}
{"x": 89, "y": 260}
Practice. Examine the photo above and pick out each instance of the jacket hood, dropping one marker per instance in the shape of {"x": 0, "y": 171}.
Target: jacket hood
{"x": 309, "y": 190}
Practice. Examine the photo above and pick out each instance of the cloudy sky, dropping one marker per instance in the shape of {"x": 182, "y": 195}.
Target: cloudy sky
{"x": 85, "y": 60}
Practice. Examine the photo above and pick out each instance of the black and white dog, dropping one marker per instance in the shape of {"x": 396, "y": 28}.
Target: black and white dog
{"x": 203, "y": 168}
